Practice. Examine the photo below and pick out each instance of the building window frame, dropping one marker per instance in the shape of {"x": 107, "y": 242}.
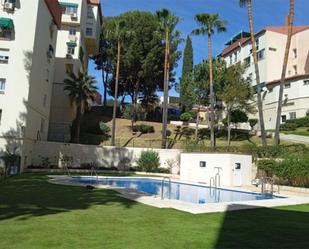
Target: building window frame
{"x": 306, "y": 82}
{"x": 292, "y": 115}
{"x": 2, "y": 85}
{"x": 287, "y": 85}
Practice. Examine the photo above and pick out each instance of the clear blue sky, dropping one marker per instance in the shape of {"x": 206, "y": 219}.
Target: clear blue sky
{"x": 266, "y": 13}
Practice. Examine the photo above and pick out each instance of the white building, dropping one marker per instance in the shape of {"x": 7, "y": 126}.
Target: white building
{"x": 271, "y": 42}
{"x": 77, "y": 39}
{"x": 28, "y": 34}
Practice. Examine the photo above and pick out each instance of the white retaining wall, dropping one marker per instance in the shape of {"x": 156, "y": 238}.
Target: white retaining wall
{"x": 192, "y": 170}
{"x": 106, "y": 156}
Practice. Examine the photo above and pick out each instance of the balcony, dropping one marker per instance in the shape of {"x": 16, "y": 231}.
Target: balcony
{"x": 6, "y": 28}
{"x": 69, "y": 13}
{"x": 92, "y": 38}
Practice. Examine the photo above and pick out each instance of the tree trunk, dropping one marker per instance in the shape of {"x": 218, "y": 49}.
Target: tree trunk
{"x": 212, "y": 99}
{"x": 283, "y": 73}
{"x": 229, "y": 128}
{"x": 105, "y": 84}
{"x": 257, "y": 75}
{"x": 78, "y": 119}
{"x": 116, "y": 95}
{"x": 165, "y": 98}
{"x": 197, "y": 124}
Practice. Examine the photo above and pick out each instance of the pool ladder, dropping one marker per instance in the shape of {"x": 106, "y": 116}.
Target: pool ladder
{"x": 94, "y": 172}
{"x": 215, "y": 181}
{"x": 169, "y": 187}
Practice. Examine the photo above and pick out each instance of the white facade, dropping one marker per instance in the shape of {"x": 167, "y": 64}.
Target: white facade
{"x": 234, "y": 170}
{"x": 271, "y": 44}
{"x": 77, "y": 39}
{"x": 26, "y": 74}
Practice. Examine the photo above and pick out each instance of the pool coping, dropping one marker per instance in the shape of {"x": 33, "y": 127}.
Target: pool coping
{"x": 155, "y": 201}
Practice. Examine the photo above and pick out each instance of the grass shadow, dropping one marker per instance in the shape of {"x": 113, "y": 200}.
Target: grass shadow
{"x": 30, "y": 195}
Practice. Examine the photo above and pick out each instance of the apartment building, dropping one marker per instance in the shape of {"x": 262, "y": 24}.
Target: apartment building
{"x": 78, "y": 38}
{"x": 28, "y": 35}
{"x": 271, "y": 43}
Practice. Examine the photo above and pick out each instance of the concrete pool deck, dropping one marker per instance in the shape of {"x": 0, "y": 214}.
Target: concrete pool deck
{"x": 193, "y": 208}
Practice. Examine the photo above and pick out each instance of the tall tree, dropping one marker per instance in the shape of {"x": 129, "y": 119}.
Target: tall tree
{"x": 248, "y": 3}
{"x": 81, "y": 88}
{"x": 187, "y": 68}
{"x": 283, "y": 73}
{"x": 104, "y": 58}
{"x": 168, "y": 22}
{"x": 116, "y": 32}
{"x": 236, "y": 94}
{"x": 141, "y": 72}
{"x": 209, "y": 23}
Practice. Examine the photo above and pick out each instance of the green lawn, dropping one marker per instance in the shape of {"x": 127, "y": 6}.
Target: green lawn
{"x": 36, "y": 214}
{"x": 302, "y": 131}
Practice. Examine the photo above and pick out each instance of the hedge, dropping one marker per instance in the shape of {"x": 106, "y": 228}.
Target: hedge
{"x": 292, "y": 171}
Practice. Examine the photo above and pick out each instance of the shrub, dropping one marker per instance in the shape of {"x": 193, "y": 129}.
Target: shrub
{"x": 238, "y": 116}
{"x": 187, "y": 132}
{"x": 299, "y": 122}
{"x": 252, "y": 122}
{"x": 104, "y": 128}
{"x": 135, "y": 115}
{"x": 186, "y": 116}
{"x": 168, "y": 133}
{"x": 288, "y": 127}
{"x": 292, "y": 171}
{"x": 203, "y": 133}
{"x": 144, "y": 129}
{"x": 149, "y": 161}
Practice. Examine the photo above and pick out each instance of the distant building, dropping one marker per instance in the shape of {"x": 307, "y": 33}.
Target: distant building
{"x": 78, "y": 38}
{"x": 271, "y": 43}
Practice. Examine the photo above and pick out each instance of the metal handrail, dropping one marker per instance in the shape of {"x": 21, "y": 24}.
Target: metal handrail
{"x": 212, "y": 182}
{"x": 217, "y": 180}
{"x": 94, "y": 171}
{"x": 169, "y": 187}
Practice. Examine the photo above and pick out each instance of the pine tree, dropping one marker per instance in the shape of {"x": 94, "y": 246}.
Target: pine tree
{"x": 187, "y": 69}
{"x": 187, "y": 58}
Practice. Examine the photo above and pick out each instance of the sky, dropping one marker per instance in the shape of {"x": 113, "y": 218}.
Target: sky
{"x": 265, "y": 13}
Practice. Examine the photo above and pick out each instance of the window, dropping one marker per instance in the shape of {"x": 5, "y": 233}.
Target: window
{"x": 2, "y": 86}
{"x": 270, "y": 90}
{"x": 68, "y": 68}
{"x": 295, "y": 69}
{"x": 287, "y": 85}
{"x": 235, "y": 57}
{"x": 69, "y": 10}
{"x": 71, "y": 50}
{"x": 89, "y": 12}
{"x": 261, "y": 55}
{"x": 306, "y": 82}
{"x": 272, "y": 49}
{"x": 286, "y": 96}
{"x": 72, "y": 31}
{"x": 89, "y": 31}
{"x": 0, "y": 115}
{"x": 4, "y": 56}
{"x": 294, "y": 53}
{"x": 231, "y": 59}
{"x": 42, "y": 127}
{"x": 292, "y": 115}
{"x": 247, "y": 61}
{"x": 44, "y": 100}
{"x": 283, "y": 118}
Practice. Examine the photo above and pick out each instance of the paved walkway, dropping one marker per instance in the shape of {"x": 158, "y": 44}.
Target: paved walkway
{"x": 295, "y": 138}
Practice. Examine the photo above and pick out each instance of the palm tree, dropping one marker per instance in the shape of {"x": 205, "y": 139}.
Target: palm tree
{"x": 168, "y": 22}
{"x": 248, "y": 3}
{"x": 117, "y": 32}
{"x": 208, "y": 24}
{"x": 284, "y": 68}
{"x": 80, "y": 89}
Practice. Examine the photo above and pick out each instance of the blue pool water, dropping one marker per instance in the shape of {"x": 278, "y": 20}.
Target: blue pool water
{"x": 179, "y": 191}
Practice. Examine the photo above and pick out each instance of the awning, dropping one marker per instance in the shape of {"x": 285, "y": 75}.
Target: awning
{"x": 69, "y": 4}
{"x": 6, "y": 23}
{"x": 71, "y": 44}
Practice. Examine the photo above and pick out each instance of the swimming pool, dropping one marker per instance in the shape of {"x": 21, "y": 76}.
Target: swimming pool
{"x": 197, "y": 194}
